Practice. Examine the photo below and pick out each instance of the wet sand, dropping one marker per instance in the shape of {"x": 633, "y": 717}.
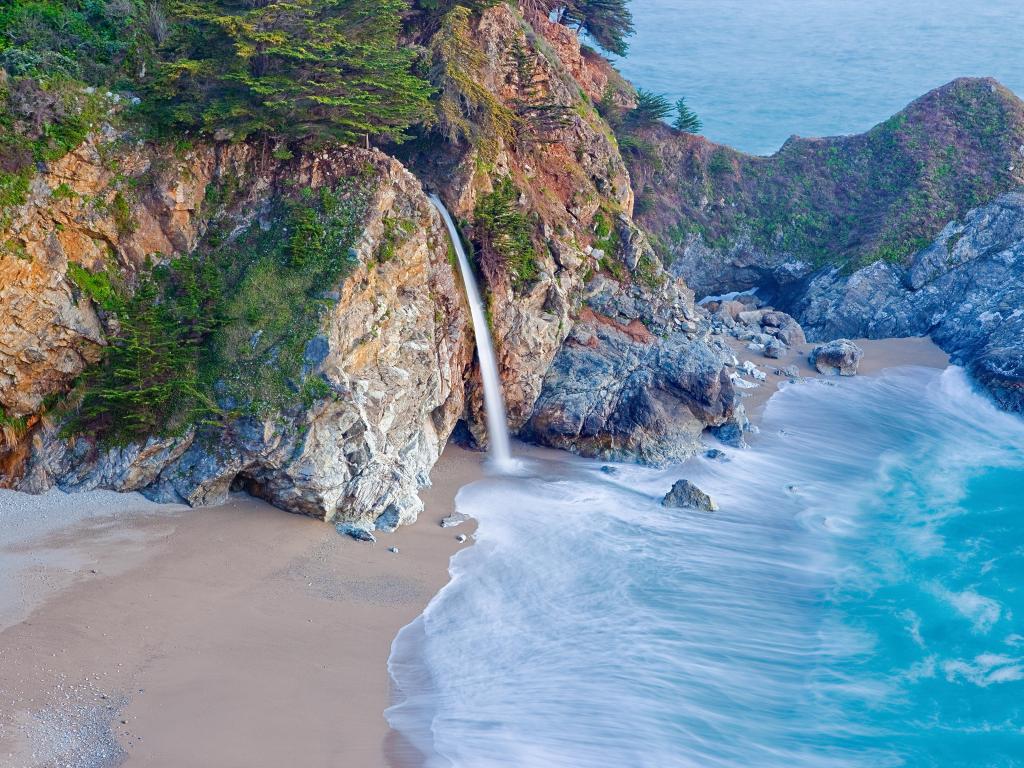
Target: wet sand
{"x": 231, "y": 636}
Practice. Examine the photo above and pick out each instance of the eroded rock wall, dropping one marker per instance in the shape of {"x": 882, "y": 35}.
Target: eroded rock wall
{"x": 394, "y": 347}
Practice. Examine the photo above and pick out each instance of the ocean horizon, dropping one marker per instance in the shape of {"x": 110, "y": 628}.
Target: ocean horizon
{"x": 758, "y": 73}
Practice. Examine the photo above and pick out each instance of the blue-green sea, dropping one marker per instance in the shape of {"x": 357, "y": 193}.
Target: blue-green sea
{"x": 759, "y": 71}
{"x": 857, "y": 600}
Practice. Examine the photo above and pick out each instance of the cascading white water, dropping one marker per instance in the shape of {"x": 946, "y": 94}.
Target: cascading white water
{"x": 494, "y": 400}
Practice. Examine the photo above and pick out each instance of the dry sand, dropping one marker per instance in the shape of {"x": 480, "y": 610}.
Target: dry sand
{"x": 232, "y": 636}
{"x": 879, "y": 354}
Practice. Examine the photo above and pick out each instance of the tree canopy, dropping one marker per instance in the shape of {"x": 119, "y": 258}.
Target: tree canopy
{"x": 609, "y": 22}
{"x": 291, "y": 69}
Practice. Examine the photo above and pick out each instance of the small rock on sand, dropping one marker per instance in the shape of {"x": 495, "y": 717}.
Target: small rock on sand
{"x": 454, "y": 519}
{"x": 840, "y": 357}
{"x": 356, "y": 532}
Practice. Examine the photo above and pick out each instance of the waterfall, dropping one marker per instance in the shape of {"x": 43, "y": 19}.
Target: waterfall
{"x": 494, "y": 401}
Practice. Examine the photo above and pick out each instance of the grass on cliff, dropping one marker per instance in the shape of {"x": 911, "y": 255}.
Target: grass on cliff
{"x": 223, "y": 332}
{"x": 848, "y": 201}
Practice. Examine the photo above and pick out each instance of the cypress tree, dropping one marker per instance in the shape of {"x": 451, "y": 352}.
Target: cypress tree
{"x": 650, "y": 108}
{"x": 686, "y": 119}
{"x": 329, "y": 70}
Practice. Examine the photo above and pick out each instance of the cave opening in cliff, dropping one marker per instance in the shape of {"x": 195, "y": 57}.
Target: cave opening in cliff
{"x": 244, "y": 482}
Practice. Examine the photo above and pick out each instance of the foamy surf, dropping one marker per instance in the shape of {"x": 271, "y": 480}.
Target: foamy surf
{"x": 851, "y": 604}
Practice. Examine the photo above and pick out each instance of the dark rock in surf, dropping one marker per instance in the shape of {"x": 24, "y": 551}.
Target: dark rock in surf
{"x": 686, "y": 495}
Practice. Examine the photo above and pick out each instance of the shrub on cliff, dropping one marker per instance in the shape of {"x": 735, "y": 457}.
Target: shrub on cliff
{"x": 221, "y": 332}
{"x": 608, "y": 22}
{"x": 322, "y": 70}
{"x": 505, "y": 230}
{"x": 88, "y": 40}
{"x": 686, "y": 119}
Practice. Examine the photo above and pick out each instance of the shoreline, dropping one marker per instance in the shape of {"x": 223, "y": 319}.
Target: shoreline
{"x": 879, "y": 354}
{"x": 240, "y": 635}
{"x": 232, "y": 636}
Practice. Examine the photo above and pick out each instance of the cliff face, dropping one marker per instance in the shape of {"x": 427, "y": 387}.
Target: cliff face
{"x": 896, "y": 232}
{"x": 966, "y": 290}
{"x": 392, "y": 348}
{"x": 568, "y": 173}
{"x": 535, "y": 177}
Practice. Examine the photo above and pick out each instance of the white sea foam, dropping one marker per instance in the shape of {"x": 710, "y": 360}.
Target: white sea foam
{"x": 593, "y": 627}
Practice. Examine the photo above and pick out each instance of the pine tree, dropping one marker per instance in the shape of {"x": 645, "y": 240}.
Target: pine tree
{"x": 302, "y": 70}
{"x": 686, "y": 119}
{"x": 650, "y": 108}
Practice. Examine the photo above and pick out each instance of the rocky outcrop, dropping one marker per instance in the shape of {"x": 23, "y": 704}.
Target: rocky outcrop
{"x": 393, "y": 348}
{"x": 570, "y": 175}
{"x": 634, "y": 381}
{"x": 686, "y": 495}
{"x": 600, "y": 350}
{"x": 840, "y": 357}
{"x": 965, "y": 290}
{"x": 852, "y": 235}
{"x": 732, "y": 222}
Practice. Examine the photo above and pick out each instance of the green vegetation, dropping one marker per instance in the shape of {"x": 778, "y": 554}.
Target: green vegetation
{"x": 223, "y": 332}
{"x": 608, "y": 22}
{"x": 323, "y": 70}
{"x": 466, "y": 109}
{"x": 503, "y": 229}
{"x": 849, "y": 201}
{"x": 39, "y": 121}
{"x": 12, "y": 429}
{"x": 650, "y": 108}
{"x": 686, "y": 119}
{"x": 94, "y": 41}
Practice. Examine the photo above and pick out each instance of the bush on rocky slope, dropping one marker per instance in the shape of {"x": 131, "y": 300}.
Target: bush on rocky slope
{"x": 223, "y": 331}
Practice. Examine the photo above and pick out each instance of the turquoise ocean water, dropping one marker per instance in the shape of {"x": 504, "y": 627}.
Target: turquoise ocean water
{"x": 858, "y": 600}
{"x": 759, "y": 71}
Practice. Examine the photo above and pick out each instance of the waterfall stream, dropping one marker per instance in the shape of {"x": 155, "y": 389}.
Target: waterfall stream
{"x": 494, "y": 401}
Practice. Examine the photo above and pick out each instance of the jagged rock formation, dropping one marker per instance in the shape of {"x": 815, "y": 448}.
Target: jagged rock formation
{"x": 393, "y": 347}
{"x": 966, "y": 290}
{"x": 630, "y": 384}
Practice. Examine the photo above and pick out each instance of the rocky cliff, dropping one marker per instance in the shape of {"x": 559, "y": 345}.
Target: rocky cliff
{"x": 391, "y": 347}
{"x": 965, "y": 290}
{"x": 592, "y": 271}
{"x": 333, "y": 399}
{"x": 883, "y": 234}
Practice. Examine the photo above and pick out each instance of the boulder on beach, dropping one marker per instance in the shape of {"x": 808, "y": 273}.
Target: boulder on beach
{"x": 840, "y": 357}
{"x": 357, "y": 532}
{"x": 686, "y": 495}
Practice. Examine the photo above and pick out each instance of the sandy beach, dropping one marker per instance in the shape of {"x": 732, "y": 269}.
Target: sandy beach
{"x": 230, "y": 636}
{"x": 159, "y": 636}
{"x": 879, "y": 354}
